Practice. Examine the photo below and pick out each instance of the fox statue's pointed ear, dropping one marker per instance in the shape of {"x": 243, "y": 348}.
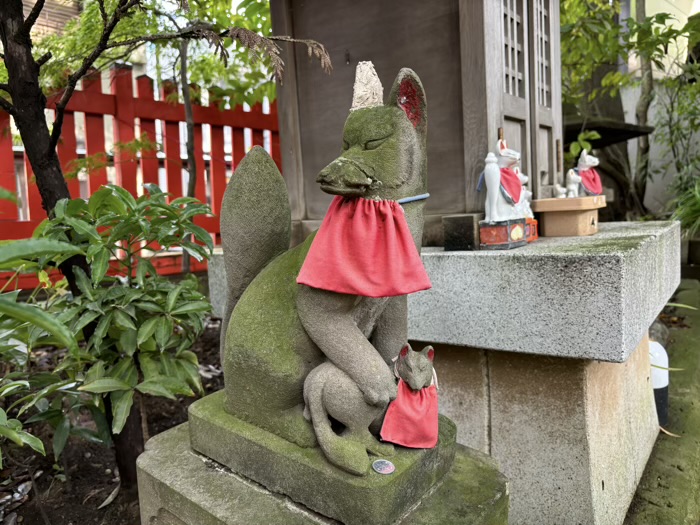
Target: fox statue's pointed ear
{"x": 584, "y": 153}
{"x": 404, "y": 350}
{"x": 408, "y": 94}
{"x": 502, "y": 146}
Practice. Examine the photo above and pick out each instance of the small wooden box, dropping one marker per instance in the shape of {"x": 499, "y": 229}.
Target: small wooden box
{"x": 569, "y": 217}
{"x": 531, "y": 229}
{"x": 502, "y": 235}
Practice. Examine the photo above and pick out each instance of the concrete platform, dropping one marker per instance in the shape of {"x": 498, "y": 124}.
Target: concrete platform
{"x": 583, "y": 297}
{"x": 177, "y": 486}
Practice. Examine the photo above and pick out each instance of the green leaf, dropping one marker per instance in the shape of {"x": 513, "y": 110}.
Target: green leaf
{"x": 164, "y": 328}
{"x": 7, "y": 195}
{"x": 121, "y": 406}
{"x": 103, "y": 430}
{"x": 60, "y": 436}
{"x": 196, "y": 306}
{"x": 100, "y": 265}
{"x": 155, "y": 388}
{"x": 46, "y": 415}
{"x": 36, "y": 316}
{"x": 127, "y": 341}
{"x": 125, "y": 370}
{"x": 172, "y": 297}
{"x": 84, "y": 320}
{"x": 83, "y": 228}
{"x": 105, "y": 384}
{"x": 101, "y": 330}
{"x": 97, "y": 371}
{"x": 190, "y": 372}
{"x": 33, "y": 248}
{"x": 201, "y": 235}
{"x": 149, "y": 367}
{"x": 124, "y": 196}
{"x": 148, "y": 306}
{"x": 146, "y": 330}
{"x": 11, "y": 435}
{"x": 123, "y": 321}
{"x": 81, "y": 279}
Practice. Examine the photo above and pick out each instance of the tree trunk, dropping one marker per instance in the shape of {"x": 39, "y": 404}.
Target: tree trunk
{"x": 189, "y": 120}
{"x": 128, "y": 444}
{"x": 642, "y": 113}
{"x": 29, "y": 102}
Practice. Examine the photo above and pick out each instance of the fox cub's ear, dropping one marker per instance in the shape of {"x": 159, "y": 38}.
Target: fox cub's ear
{"x": 408, "y": 94}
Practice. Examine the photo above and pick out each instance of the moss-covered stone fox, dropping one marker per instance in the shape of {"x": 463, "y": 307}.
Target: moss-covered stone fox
{"x": 277, "y": 331}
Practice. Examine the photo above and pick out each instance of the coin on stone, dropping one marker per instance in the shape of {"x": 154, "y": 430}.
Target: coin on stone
{"x": 383, "y": 466}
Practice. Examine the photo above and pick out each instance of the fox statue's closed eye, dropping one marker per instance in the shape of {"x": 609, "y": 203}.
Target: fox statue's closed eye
{"x": 278, "y": 331}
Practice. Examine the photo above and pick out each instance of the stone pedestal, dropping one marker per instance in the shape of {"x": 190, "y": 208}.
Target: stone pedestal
{"x": 178, "y": 486}
{"x": 306, "y": 476}
{"x": 544, "y": 363}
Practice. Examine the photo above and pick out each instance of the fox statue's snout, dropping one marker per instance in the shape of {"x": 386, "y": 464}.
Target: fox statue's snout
{"x": 345, "y": 177}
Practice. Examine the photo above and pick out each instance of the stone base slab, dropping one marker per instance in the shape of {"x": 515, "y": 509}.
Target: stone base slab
{"x": 306, "y": 476}
{"x": 178, "y": 486}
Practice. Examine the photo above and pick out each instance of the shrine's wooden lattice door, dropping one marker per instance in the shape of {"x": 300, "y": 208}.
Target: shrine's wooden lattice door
{"x": 531, "y": 93}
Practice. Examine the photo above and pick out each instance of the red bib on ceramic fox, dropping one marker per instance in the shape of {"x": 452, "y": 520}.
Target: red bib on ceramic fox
{"x": 364, "y": 247}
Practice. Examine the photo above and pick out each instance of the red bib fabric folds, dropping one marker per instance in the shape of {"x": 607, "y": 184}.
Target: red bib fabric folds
{"x": 412, "y": 418}
{"x": 590, "y": 180}
{"x": 511, "y": 185}
{"x": 364, "y": 247}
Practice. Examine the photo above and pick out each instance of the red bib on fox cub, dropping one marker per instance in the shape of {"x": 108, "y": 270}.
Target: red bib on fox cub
{"x": 412, "y": 418}
{"x": 364, "y": 247}
{"x": 590, "y": 180}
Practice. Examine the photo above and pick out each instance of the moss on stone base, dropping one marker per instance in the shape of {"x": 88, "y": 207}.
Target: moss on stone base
{"x": 177, "y": 485}
{"x": 306, "y": 476}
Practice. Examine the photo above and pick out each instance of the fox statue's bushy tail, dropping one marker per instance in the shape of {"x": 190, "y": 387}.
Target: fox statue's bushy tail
{"x": 255, "y": 225}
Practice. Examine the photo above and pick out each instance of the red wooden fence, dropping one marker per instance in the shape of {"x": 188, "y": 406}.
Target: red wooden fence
{"x": 125, "y": 107}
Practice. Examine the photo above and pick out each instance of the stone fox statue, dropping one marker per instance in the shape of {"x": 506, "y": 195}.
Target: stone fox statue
{"x": 278, "y": 331}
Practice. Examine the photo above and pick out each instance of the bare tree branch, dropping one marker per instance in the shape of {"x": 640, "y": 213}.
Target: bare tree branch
{"x": 103, "y": 12}
{"x": 9, "y": 108}
{"x": 43, "y": 59}
{"x": 121, "y": 9}
{"x": 33, "y": 16}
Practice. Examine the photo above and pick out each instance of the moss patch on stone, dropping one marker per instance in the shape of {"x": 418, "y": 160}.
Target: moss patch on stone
{"x": 176, "y": 483}
{"x": 669, "y": 491}
{"x": 602, "y": 246}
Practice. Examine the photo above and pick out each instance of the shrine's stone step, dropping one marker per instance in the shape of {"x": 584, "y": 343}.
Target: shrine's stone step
{"x": 178, "y": 486}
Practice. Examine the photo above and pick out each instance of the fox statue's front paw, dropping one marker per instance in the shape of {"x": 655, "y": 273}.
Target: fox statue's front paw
{"x": 380, "y": 393}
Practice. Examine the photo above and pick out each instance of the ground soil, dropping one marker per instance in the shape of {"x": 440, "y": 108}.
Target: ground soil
{"x": 71, "y": 492}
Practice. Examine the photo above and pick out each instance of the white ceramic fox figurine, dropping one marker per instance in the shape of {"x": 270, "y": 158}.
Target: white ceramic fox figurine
{"x": 506, "y": 199}
{"x": 584, "y": 180}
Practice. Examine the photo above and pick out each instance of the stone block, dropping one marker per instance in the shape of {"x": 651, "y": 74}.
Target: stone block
{"x": 217, "y": 283}
{"x": 461, "y": 232}
{"x": 306, "y": 476}
{"x": 572, "y": 435}
{"x": 178, "y": 486}
{"x": 583, "y": 297}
